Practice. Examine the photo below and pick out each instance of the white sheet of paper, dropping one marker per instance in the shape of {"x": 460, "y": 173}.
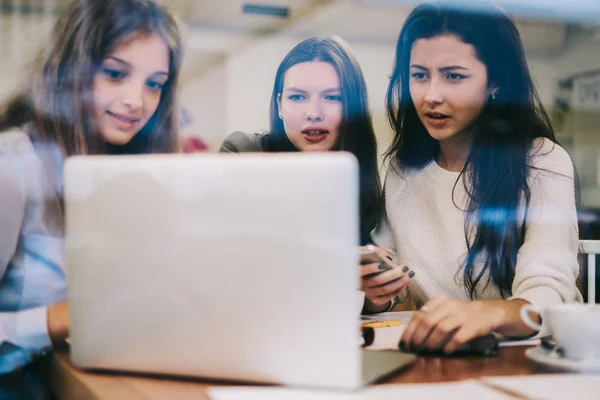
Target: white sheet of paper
{"x": 469, "y": 389}
{"x": 276, "y": 393}
{"x": 387, "y": 338}
{"x": 551, "y": 386}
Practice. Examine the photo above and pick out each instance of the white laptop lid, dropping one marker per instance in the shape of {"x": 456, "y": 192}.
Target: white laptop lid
{"x": 240, "y": 267}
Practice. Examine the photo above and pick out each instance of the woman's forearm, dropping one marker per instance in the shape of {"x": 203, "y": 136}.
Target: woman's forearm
{"x": 58, "y": 322}
{"x": 510, "y": 321}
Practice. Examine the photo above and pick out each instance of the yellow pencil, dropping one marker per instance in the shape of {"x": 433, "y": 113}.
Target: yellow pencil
{"x": 382, "y": 324}
{"x": 394, "y": 322}
{"x": 376, "y": 324}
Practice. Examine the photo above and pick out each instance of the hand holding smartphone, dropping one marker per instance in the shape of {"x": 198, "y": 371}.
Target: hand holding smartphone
{"x": 370, "y": 255}
{"x": 381, "y": 279}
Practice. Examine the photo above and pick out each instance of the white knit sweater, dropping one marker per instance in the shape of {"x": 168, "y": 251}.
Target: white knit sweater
{"x": 424, "y": 229}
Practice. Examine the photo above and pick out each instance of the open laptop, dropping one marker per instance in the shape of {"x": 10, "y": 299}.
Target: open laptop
{"x": 237, "y": 267}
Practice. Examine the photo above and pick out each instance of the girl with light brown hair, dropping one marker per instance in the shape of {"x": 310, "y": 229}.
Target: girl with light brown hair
{"x": 105, "y": 83}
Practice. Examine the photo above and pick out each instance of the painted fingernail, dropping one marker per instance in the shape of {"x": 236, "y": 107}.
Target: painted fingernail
{"x": 382, "y": 266}
{"x": 402, "y": 346}
{"x": 405, "y": 269}
{"x": 411, "y": 274}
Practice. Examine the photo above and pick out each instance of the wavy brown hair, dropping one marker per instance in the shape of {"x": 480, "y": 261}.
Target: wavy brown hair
{"x": 56, "y": 101}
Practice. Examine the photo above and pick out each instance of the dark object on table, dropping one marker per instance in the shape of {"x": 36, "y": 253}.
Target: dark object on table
{"x": 487, "y": 346}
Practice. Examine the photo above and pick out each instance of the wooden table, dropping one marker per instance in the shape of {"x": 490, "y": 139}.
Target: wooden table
{"x": 68, "y": 383}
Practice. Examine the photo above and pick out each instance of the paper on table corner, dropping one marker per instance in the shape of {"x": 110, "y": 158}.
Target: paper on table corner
{"x": 466, "y": 389}
{"x": 387, "y": 338}
{"x": 550, "y": 386}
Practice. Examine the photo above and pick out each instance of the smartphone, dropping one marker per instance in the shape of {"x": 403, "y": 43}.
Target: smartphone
{"x": 370, "y": 254}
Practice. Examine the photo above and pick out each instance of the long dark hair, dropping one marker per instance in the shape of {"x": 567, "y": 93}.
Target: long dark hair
{"x": 356, "y": 130}
{"x": 56, "y": 100}
{"x": 498, "y": 165}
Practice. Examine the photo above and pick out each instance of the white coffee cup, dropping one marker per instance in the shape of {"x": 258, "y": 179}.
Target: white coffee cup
{"x": 575, "y": 327}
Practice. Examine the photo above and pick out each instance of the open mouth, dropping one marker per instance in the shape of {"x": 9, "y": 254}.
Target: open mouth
{"x": 437, "y": 119}
{"x": 437, "y": 116}
{"x": 314, "y": 135}
{"x": 315, "y": 132}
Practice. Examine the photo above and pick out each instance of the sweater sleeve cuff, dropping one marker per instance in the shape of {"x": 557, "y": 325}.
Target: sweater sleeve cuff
{"x": 541, "y": 296}
{"x": 31, "y": 330}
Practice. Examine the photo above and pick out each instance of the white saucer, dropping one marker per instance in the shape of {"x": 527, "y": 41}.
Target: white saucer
{"x": 542, "y": 356}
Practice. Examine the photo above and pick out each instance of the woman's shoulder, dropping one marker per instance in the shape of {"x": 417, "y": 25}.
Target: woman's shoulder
{"x": 241, "y": 142}
{"x": 17, "y": 160}
{"x": 23, "y": 154}
{"x": 17, "y": 152}
{"x": 547, "y": 155}
{"x": 15, "y": 142}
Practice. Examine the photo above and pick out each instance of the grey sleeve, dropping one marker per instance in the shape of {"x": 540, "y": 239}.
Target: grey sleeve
{"x": 241, "y": 142}
{"x": 231, "y": 143}
{"x": 12, "y": 209}
{"x": 23, "y": 332}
